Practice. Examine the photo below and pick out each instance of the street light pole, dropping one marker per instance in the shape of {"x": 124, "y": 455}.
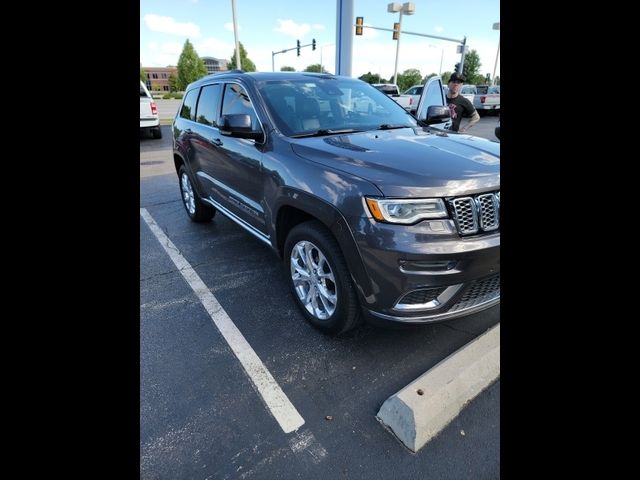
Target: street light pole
{"x": 395, "y": 69}
{"x": 321, "y": 48}
{"x": 408, "y": 9}
{"x": 496, "y": 26}
{"x": 441, "y": 57}
{"x": 235, "y": 33}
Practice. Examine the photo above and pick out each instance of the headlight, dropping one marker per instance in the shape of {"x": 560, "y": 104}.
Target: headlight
{"x": 406, "y": 211}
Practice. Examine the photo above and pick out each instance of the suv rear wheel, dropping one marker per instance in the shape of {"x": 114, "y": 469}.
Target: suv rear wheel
{"x": 319, "y": 279}
{"x": 156, "y": 132}
{"x": 197, "y": 210}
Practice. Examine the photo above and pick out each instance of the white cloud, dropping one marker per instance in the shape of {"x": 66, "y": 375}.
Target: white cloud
{"x": 291, "y": 28}
{"x": 168, "y": 25}
{"x": 161, "y": 55}
{"x": 153, "y": 45}
{"x": 212, "y": 47}
{"x": 317, "y": 26}
{"x": 439, "y": 29}
{"x": 229, "y": 26}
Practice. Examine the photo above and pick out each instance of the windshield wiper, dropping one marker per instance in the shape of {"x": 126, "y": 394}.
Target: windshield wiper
{"x": 325, "y": 131}
{"x": 387, "y": 126}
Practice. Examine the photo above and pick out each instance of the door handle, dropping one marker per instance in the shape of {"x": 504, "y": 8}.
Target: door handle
{"x": 216, "y": 141}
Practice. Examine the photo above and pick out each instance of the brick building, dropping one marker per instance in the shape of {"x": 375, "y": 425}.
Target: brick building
{"x": 159, "y": 76}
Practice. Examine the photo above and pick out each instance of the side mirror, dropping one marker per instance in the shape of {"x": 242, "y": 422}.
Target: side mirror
{"x": 437, "y": 114}
{"x": 238, "y": 125}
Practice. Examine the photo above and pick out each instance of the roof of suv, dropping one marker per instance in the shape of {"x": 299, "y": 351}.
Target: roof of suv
{"x": 261, "y": 76}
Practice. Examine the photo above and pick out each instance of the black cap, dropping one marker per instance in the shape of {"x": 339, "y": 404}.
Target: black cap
{"x": 455, "y": 77}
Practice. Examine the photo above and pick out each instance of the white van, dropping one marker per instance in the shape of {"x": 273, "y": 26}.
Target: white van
{"x": 149, "y": 118}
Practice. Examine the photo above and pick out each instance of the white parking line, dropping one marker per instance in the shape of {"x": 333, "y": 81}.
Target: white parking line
{"x": 277, "y": 402}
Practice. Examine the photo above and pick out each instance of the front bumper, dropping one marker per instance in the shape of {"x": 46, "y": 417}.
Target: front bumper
{"x": 420, "y": 276}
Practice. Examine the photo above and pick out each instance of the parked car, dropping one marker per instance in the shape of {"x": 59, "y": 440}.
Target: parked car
{"x": 376, "y": 214}
{"x": 149, "y": 118}
{"x": 391, "y": 89}
{"x": 487, "y": 99}
{"x": 415, "y": 93}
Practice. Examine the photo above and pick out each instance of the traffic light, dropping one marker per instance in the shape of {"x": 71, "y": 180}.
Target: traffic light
{"x": 359, "y": 22}
{"x": 298, "y": 47}
{"x": 396, "y": 31}
{"x": 313, "y": 44}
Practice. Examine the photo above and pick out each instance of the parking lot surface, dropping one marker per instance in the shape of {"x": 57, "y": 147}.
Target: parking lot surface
{"x": 201, "y": 415}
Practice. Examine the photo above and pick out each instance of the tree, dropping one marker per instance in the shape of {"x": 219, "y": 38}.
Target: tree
{"x": 409, "y": 78}
{"x": 245, "y": 63}
{"x": 429, "y": 76}
{"x": 190, "y": 66}
{"x": 445, "y": 77}
{"x": 315, "y": 68}
{"x": 143, "y": 76}
{"x": 471, "y": 69}
{"x": 287, "y": 69}
{"x": 155, "y": 87}
{"x": 372, "y": 78}
{"x": 173, "y": 83}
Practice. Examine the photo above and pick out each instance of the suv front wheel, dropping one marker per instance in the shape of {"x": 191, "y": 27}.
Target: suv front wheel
{"x": 197, "y": 210}
{"x": 319, "y": 279}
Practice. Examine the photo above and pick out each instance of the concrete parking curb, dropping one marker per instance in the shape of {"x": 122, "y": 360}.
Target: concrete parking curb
{"x": 419, "y": 411}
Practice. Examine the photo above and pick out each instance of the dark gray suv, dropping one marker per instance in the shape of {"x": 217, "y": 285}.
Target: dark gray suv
{"x": 375, "y": 214}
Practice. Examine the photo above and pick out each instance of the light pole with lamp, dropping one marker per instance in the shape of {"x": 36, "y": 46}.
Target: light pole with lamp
{"x": 496, "y": 26}
{"x": 407, "y": 9}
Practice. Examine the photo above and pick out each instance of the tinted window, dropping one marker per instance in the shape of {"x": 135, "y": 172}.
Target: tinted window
{"x": 236, "y": 101}
{"x": 208, "y": 105}
{"x": 188, "y": 109}
{"x": 301, "y": 106}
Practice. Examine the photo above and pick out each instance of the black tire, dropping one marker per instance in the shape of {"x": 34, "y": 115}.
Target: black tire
{"x": 197, "y": 210}
{"x": 346, "y": 309}
{"x": 156, "y": 132}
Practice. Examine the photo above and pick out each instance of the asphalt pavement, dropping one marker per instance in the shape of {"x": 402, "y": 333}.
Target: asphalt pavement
{"x": 200, "y": 414}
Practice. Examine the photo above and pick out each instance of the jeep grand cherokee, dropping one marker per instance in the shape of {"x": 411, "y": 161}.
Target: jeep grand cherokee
{"x": 375, "y": 214}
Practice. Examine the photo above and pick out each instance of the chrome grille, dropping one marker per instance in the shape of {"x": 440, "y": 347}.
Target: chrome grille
{"x": 480, "y": 291}
{"x": 478, "y": 213}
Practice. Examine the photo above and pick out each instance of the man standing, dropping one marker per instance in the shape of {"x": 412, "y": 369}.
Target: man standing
{"x": 459, "y": 106}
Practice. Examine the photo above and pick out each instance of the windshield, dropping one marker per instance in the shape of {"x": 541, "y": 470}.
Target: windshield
{"x": 328, "y": 105}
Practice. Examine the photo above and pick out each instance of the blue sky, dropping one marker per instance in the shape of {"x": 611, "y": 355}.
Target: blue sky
{"x": 274, "y": 25}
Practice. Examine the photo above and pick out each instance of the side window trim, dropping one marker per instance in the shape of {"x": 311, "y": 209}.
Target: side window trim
{"x": 186, "y": 94}
{"x": 217, "y": 109}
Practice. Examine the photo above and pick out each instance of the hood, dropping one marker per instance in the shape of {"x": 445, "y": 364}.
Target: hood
{"x": 410, "y": 162}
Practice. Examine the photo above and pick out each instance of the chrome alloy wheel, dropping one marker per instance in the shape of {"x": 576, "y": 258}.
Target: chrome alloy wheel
{"x": 187, "y": 194}
{"x": 313, "y": 280}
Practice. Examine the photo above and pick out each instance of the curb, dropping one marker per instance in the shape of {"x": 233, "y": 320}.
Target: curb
{"x": 419, "y": 411}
